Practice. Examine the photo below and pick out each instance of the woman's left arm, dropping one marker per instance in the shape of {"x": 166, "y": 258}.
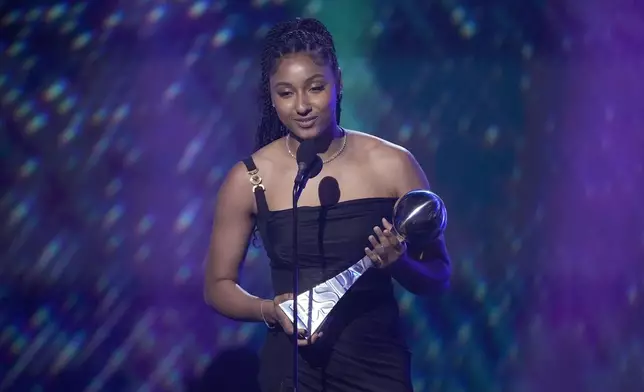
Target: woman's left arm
{"x": 421, "y": 269}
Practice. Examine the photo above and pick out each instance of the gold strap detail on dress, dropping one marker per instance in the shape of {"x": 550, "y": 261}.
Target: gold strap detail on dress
{"x": 256, "y": 180}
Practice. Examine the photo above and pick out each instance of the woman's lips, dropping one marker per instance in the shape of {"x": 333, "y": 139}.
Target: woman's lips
{"x": 307, "y": 122}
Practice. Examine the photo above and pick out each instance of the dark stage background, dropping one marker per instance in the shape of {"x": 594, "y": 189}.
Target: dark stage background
{"x": 119, "y": 119}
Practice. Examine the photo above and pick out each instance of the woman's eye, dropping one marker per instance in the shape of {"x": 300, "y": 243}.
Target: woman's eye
{"x": 318, "y": 88}
{"x": 284, "y": 94}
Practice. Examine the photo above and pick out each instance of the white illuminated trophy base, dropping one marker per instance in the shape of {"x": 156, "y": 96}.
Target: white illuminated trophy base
{"x": 323, "y": 297}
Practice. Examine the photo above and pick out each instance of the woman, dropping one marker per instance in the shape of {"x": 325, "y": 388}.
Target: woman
{"x": 342, "y": 216}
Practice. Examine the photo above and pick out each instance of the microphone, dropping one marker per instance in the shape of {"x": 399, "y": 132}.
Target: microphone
{"x": 309, "y": 163}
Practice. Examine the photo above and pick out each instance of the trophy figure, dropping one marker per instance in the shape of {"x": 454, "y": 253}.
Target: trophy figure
{"x": 419, "y": 217}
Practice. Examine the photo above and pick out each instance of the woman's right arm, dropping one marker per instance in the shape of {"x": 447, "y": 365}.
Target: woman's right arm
{"x": 232, "y": 227}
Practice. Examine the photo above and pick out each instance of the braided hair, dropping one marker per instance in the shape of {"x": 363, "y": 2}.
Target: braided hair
{"x": 298, "y": 35}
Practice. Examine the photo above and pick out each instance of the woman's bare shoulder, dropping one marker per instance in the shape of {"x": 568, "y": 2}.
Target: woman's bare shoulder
{"x": 375, "y": 147}
{"x": 394, "y": 164}
{"x": 236, "y": 188}
{"x": 270, "y": 156}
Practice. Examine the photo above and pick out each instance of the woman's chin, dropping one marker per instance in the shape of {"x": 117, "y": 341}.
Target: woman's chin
{"x": 306, "y": 133}
{"x": 309, "y": 131}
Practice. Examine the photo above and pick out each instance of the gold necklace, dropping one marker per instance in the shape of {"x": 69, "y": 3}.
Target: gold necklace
{"x": 332, "y": 157}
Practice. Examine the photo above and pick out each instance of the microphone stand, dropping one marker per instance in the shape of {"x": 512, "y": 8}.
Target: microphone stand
{"x": 307, "y": 162}
{"x": 297, "y": 191}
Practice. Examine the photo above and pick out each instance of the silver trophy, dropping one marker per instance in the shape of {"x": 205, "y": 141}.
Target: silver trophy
{"x": 419, "y": 217}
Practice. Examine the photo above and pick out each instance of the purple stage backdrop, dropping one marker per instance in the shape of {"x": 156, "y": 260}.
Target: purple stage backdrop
{"x": 118, "y": 121}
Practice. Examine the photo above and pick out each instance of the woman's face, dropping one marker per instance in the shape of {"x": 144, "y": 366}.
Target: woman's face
{"x": 304, "y": 93}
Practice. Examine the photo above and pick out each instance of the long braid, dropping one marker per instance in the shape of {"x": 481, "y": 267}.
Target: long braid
{"x": 290, "y": 37}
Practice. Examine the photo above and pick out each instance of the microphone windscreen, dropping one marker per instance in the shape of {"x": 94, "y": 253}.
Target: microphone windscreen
{"x": 306, "y": 152}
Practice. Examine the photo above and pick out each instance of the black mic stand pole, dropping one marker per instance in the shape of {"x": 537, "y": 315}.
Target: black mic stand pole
{"x": 297, "y": 190}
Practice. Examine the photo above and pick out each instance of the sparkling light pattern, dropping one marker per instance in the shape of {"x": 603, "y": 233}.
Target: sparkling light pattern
{"x": 118, "y": 121}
